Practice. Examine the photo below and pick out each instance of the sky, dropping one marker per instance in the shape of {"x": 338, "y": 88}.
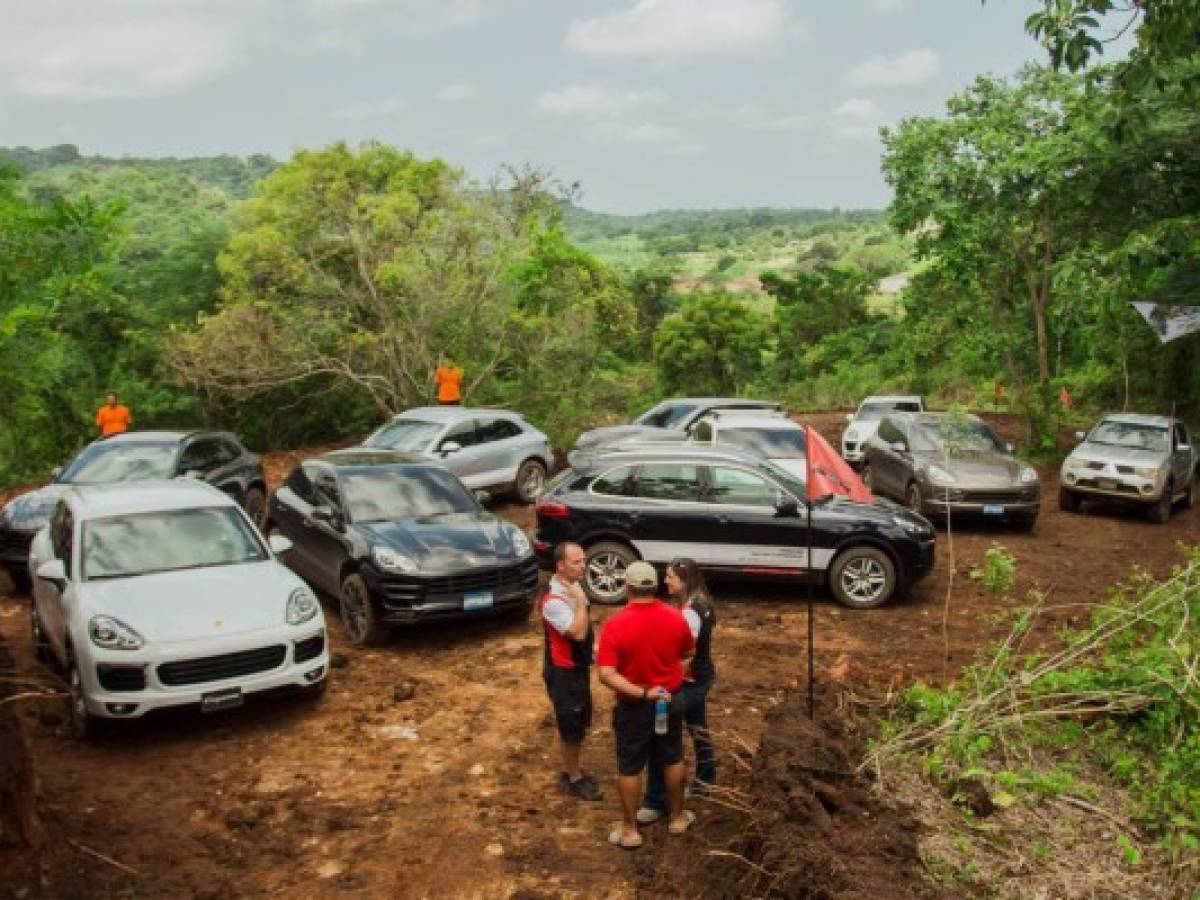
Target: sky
{"x": 647, "y": 104}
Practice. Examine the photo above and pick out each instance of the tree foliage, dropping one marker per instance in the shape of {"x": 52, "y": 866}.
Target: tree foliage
{"x": 712, "y": 346}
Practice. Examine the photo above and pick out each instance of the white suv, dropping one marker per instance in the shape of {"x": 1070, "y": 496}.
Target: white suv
{"x": 163, "y": 593}
{"x": 864, "y": 422}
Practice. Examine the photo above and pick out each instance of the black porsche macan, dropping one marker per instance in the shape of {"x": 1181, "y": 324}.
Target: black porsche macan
{"x": 734, "y": 513}
{"x": 398, "y": 540}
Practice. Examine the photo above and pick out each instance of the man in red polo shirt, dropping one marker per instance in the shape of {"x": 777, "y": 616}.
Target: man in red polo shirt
{"x": 642, "y": 651}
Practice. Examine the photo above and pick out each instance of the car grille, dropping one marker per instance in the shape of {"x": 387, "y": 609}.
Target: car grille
{"x": 1100, "y": 467}
{"x": 1023, "y": 496}
{"x": 309, "y": 648}
{"x": 121, "y": 678}
{"x": 1109, "y": 485}
{"x": 405, "y": 591}
{"x": 228, "y": 665}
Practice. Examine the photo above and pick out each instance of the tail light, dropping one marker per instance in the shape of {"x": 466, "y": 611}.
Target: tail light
{"x": 551, "y": 510}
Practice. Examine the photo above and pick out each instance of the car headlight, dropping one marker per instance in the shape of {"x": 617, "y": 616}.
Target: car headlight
{"x": 910, "y": 526}
{"x": 391, "y": 561}
{"x": 1028, "y": 475}
{"x": 940, "y": 475}
{"x": 301, "y": 606}
{"x": 1150, "y": 472}
{"x": 520, "y": 542}
{"x": 113, "y": 634}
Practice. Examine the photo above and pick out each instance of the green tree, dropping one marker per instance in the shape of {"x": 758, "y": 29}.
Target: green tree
{"x": 713, "y": 345}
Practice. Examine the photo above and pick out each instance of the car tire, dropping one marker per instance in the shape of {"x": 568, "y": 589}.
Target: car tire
{"x": 20, "y": 580}
{"x": 1069, "y": 501}
{"x": 37, "y": 637}
{"x": 82, "y": 723}
{"x": 359, "y": 616}
{"x": 604, "y": 572}
{"x": 912, "y": 498}
{"x": 862, "y": 577}
{"x": 1160, "y": 512}
{"x": 255, "y": 504}
{"x": 531, "y": 480}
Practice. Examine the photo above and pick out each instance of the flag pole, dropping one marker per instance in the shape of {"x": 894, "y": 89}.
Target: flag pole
{"x": 808, "y": 562}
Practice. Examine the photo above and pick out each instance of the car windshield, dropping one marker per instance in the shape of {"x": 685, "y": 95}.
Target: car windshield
{"x": 106, "y": 462}
{"x": 1132, "y": 434}
{"x": 666, "y": 415}
{"x": 145, "y": 543}
{"x": 773, "y": 443}
{"x": 875, "y": 410}
{"x": 385, "y": 494}
{"x": 796, "y": 485}
{"x": 413, "y": 435}
{"x": 957, "y": 436}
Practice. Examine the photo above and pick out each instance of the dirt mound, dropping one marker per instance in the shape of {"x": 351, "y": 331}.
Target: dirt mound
{"x": 808, "y": 827}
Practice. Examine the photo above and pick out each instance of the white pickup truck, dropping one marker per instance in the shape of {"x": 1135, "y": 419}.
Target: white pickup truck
{"x": 1148, "y": 460}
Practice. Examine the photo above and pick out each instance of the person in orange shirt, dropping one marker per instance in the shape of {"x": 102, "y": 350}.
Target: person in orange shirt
{"x": 448, "y": 379}
{"x": 113, "y": 418}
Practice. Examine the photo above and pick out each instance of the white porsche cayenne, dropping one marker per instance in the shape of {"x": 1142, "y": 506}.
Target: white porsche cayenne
{"x": 163, "y": 593}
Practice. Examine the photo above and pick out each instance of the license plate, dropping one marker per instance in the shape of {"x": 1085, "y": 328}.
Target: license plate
{"x": 223, "y": 699}
{"x": 1106, "y": 484}
{"x": 993, "y": 509}
{"x": 477, "y": 600}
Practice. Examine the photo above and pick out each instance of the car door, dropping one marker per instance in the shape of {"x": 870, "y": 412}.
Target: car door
{"x": 328, "y": 545}
{"x": 498, "y": 451}
{"x": 291, "y": 515}
{"x": 746, "y": 528}
{"x": 466, "y": 461}
{"x": 48, "y": 595}
{"x": 668, "y": 519}
{"x": 886, "y": 461}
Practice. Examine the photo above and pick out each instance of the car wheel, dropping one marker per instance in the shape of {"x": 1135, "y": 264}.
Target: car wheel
{"x": 83, "y": 723}
{"x": 867, "y": 476}
{"x": 37, "y": 636}
{"x": 20, "y": 580}
{"x": 255, "y": 505}
{"x": 359, "y": 615}
{"x": 1068, "y": 501}
{"x": 862, "y": 577}
{"x": 912, "y": 497}
{"x": 1160, "y": 512}
{"x": 531, "y": 480}
{"x": 604, "y": 575}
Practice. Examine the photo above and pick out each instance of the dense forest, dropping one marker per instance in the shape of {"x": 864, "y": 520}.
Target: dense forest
{"x": 303, "y": 300}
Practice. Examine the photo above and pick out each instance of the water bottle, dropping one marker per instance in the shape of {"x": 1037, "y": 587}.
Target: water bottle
{"x": 661, "y": 708}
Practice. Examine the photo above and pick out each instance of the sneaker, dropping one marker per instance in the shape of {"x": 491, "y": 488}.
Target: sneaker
{"x": 583, "y": 787}
{"x": 648, "y": 815}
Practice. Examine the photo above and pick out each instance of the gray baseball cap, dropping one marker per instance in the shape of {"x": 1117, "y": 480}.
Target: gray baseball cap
{"x": 641, "y": 575}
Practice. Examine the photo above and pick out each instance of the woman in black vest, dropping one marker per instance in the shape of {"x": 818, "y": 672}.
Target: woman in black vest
{"x": 685, "y": 584}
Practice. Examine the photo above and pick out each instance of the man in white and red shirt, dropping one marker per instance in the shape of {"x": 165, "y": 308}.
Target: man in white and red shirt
{"x": 567, "y": 664}
{"x": 641, "y": 657}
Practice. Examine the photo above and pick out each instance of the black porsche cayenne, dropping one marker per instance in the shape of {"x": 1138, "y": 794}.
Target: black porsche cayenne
{"x": 398, "y": 539}
{"x": 735, "y": 514}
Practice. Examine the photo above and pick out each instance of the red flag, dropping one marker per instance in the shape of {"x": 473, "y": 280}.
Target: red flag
{"x": 828, "y": 473}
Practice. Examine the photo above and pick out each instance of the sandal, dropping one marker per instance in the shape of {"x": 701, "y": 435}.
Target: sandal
{"x": 683, "y": 823}
{"x": 616, "y": 838}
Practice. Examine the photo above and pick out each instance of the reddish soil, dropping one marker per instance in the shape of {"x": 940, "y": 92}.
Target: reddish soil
{"x": 451, "y": 793}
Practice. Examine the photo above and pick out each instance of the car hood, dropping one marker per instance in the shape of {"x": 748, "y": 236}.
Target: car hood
{"x": 446, "y": 543}
{"x": 195, "y": 604}
{"x": 29, "y": 512}
{"x": 1126, "y": 456}
{"x": 883, "y": 512}
{"x": 980, "y": 470}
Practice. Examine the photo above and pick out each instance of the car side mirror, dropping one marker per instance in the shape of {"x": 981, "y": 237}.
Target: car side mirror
{"x": 450, "y": 447}
{"x": 55, "y": 472}
{"x": 54, "y": 571}
{"x": 1080, "y": 435}
{"x": 482, "y": 496}
{"x": 787, "y": 507}
{"x": 329, "y": 516}
{"x": 278, "y": 543}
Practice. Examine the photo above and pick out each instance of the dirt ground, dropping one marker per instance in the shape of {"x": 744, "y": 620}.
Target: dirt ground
{"x": 451, "y": 792}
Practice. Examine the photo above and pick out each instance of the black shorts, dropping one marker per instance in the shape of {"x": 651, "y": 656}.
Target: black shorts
{"x": 570, "y": 692}
{"x": 637, "y": 744}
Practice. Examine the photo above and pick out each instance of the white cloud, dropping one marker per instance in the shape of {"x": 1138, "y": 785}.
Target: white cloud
{"x": 587, "y": 100}
{"x": 913, "y": 67}
{"x": 455, "y": 93}
{"x": 667, "y": 29}
{"x": 859, "y": 108}
{"x": 370, "y": 109}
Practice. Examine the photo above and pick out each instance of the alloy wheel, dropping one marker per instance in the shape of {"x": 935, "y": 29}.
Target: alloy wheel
{"x": 863, "y": 579}
{"x": 606, "y": 576}
{"x": 354, "y": 611}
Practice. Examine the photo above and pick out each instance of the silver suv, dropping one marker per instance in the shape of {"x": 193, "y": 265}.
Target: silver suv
{"x": 1149, "y": 460}
{"x": 494, "y": 450}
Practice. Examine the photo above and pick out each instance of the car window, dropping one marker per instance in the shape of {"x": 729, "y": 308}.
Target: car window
{"x": 463, "y": 434}
{"x": 384, "y": 494}
{"x": 1131, "y": 434}
{"x": 703, "y": 431}
{"x": 201, "y": 455}
{"x": 907, "y": 406}
{"x": 497, "y": 430}
{"x": 889, "y": 433}
{"x": 618, "y": 482}
{"x": 668, "y": 481}
{"x": 229, "y": 451}
{"x": 301, "y": 484}
{"x": 326, "y": 491}
{"x": 737, "y": 487}
{"x": 670, "y": 415}
{"x": 62, "y": 535}
{"x": 412, "y": 435}
{"x": 961, "y": 436}
{"x": 773, "y": 443}
{"x": 108, "y": 461}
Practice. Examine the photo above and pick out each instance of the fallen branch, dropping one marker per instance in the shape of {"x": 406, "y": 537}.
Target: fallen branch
{"x": 108, "y": 859}
{"x": 29, "y": 695}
